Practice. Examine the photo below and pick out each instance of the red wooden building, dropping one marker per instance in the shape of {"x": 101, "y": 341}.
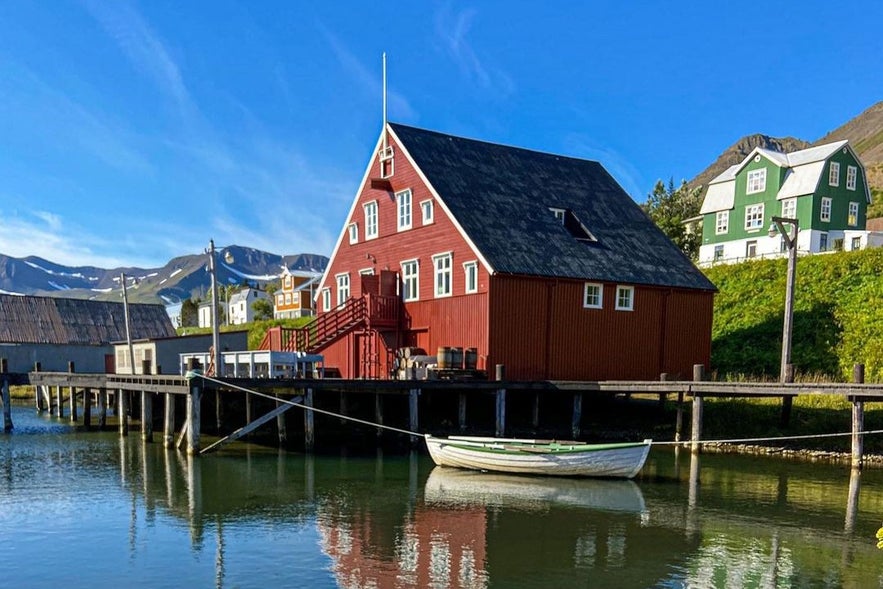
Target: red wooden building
{"x": 541, "y": 262}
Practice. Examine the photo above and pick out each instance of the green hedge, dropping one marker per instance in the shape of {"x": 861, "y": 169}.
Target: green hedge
{"x": 838, "y": 316}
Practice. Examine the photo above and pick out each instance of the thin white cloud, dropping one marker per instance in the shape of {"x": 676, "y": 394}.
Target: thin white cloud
{"x": 143, "y": 47}
{"x": 44, "y": 234}
{"x": 453, "y": 29}
{"x": 53, "y": 118}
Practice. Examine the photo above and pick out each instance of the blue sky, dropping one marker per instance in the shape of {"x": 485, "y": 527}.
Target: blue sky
{"x": 133, "y": 132}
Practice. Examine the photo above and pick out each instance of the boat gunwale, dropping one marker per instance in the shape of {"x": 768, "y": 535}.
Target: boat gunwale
{"x": 533, "y": 447}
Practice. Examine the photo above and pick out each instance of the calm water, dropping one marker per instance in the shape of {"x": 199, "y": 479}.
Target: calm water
{"x": 91, "y": 510}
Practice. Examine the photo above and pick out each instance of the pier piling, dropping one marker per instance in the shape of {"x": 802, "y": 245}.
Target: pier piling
{"x": 696, "y": 426}
{"x": 858, "y": 419}
{"x": 146, "y": 407}
{"x": 4, "y": 395}
{"x": 73, "y": 396}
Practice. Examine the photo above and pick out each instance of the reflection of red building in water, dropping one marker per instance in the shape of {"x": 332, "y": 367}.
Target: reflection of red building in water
{"x": 434, "y": 549}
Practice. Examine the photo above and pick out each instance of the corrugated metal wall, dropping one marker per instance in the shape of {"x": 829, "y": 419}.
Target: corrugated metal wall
{"x": 540, "y": 329}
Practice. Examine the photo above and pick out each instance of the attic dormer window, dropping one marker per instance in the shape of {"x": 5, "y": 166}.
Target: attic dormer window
{"x": 756, "y": 181}
{"x": 387, "y": 162}
{"x": 572, "y": 223}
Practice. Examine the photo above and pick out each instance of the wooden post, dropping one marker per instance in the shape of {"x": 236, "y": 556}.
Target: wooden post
{"x": 500, "y": 375}
{"x": 168, "y": 432}
{"x": 309, "y": 431}
{"x": 535, "y": 412}
{"x": 664, "y": 377}
{"x": 73, "y": 394}
{"x": 787, "y": 401}
{"x": 378, "y": 413}
{"x": 38, "y": 398}
{"x": 194, "y": 400}
{"x": 102, "y": 408}
{"x": 696, "y": 428}
{"x": 281, "y": 426}
{"x": 87, "y": 408}
{"x": 342, "y": 406}
{"x": 59, "y": 402}
{"x": 461, "y": 412}
{"x": 123, "y": 412}
{"x": 249, "y": 409}
{"x": 576, "y": 421}
{"x": 413, "y": 415}
{"x": 146, "y": 406}
{"x": 4, "y": 393}
{"x": 858, "y": 419}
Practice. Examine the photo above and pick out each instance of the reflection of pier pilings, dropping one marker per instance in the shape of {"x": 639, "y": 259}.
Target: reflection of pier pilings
{"x": 194, "y": 500}
{"x": 219, "y": 553}
{"x": 855, "y": 483}
{"x": 692, "y": 525}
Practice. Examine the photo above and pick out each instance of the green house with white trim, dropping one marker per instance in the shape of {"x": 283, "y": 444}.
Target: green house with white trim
{"x": 824, "y": 187}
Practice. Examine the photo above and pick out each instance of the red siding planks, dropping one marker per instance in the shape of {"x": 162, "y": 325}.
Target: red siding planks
{"x": 540, "y": 330}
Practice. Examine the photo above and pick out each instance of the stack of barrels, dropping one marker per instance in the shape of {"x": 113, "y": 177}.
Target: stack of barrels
{"x": 454, "y": 358}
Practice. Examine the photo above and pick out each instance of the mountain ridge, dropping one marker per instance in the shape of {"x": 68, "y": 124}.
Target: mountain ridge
{"x": 183, "y": 277}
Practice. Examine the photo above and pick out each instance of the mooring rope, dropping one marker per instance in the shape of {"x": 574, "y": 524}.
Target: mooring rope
{"x": 767, "y": 439}
{"x": 194, "y": 373}
{"x": 307, "y": 407}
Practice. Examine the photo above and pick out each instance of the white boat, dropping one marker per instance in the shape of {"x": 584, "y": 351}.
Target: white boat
{"x": 460, "y": 487}
{"x": 542, "y": 457}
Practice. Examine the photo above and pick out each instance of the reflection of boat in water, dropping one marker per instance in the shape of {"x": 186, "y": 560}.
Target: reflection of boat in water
{"x": 544, "y": 457}
{"x": 449, "y": 486}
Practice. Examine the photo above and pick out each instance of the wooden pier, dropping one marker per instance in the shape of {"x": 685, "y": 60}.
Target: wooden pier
{"x": 306, "y": 392}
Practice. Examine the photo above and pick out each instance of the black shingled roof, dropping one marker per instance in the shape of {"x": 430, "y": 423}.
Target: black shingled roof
{"x": 501, "y": 196}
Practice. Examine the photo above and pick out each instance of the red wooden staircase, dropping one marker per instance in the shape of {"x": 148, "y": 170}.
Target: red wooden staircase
{"x": 368, "y": 311}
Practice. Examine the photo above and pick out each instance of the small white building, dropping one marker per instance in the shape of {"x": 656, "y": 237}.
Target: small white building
{"x": 240, "y": 310}
{"x": 261, "y": 364}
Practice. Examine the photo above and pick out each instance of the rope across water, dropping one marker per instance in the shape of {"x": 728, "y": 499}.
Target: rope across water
{"x": 193, "y": 373}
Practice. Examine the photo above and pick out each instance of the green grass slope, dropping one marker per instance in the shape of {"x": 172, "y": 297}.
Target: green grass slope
{"x": 838, "y": 317}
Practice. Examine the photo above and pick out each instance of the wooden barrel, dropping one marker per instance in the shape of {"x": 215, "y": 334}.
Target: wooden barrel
{"x": 470, "y": 358}
{"x": 443, "y": 357}
{"x": 457, "y": 358}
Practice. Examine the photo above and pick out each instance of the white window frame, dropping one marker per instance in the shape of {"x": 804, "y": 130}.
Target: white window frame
{"x": 470, "y": 271}
{"x": 354, "y": 233}
{"x": 852, "y": 217}
{"x": 718, "y": 249}
{"x": 722, "y": 222}
{"x": 442, "y": 273}
{"x": 754, "y": 217}
{"x": 366, "y": 272}
{"x": 625, "y": 302}
{"x": 823, "y": 242}
{"x": 426, "y": 209}
{"x": 834, "y": 174}
{"x": 825, "y": 210}
{"x": 370, "y": 220}
{"x": 410, "y": 280}
{"x": 756, "y": 181}
{"x": 789, "y": 208}
{"x": 343, "y": 288}
{"x": 387, "y": 162}
{"x": 751, "y": 249}
{"x": 326, "y": 299}
{"x": 851, "y": 176}
{"x": 403, "y": 209}
{"x": 593, "y": 295}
